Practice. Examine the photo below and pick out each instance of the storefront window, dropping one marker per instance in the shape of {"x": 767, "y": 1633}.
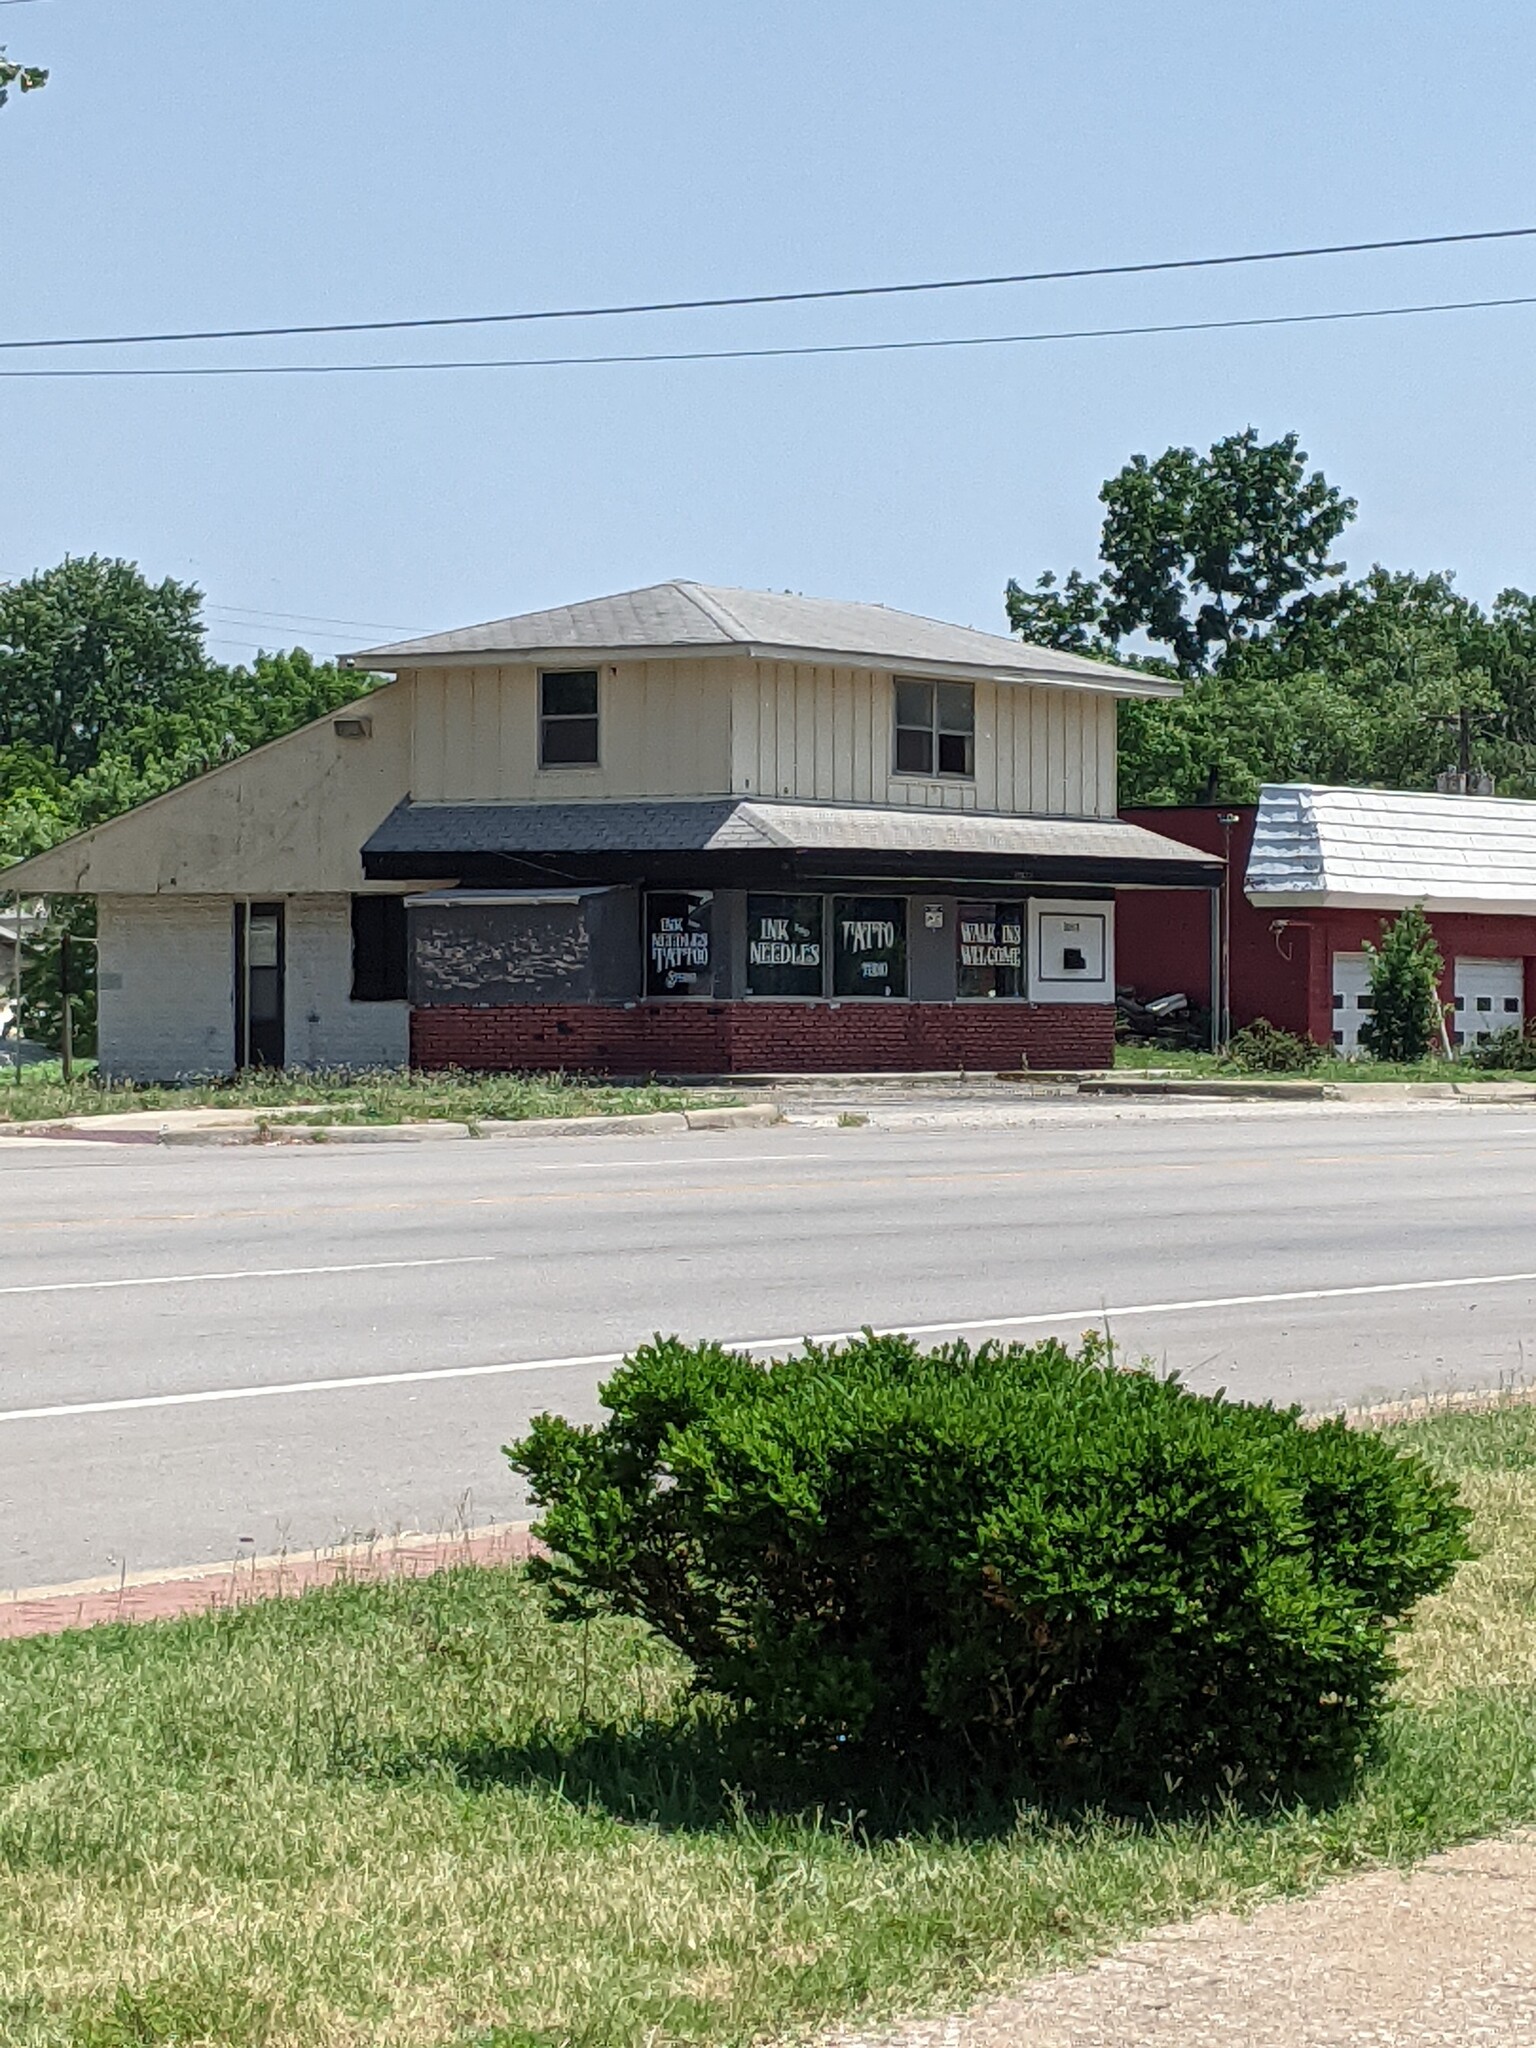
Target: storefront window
{"x": 784, "y": 946}
{"x": 991, "y": 942}
{"x": 869, "y": 946}
{"x": 678, "y": 959}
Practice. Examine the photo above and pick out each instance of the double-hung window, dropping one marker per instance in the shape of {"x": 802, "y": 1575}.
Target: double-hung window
{"x": 568, "y": 718}
{"x": 935, "y": 729}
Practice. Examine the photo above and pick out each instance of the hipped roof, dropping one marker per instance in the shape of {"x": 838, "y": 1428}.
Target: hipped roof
{"x": 682, "y": 618}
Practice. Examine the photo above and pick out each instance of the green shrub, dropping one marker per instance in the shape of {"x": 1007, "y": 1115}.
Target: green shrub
{"x": 1511, "y": 1050}
{"x": 1405, "y": 969}
{"x": 1017, "y": 1557}
{"x": 1263, "y": 1048}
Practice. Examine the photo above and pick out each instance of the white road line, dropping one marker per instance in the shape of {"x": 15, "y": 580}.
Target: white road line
{"x": 248, "y": 1273}
{"x": 1100, "y": 1314}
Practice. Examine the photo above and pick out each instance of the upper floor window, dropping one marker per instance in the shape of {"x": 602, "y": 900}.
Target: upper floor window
{"x": 935, "y": 728}
{"x": 568, "y": 718}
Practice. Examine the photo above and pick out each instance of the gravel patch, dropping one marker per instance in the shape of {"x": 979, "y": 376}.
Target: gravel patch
{"x": 1393, "y": 1959}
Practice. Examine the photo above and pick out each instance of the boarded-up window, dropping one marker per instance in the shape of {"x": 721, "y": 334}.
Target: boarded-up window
{"x": 378, "y": 949}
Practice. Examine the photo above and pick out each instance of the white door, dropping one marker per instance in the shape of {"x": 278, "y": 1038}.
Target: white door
{"x": 1351, "y": 1002}
{"x": 1490, "y": 997}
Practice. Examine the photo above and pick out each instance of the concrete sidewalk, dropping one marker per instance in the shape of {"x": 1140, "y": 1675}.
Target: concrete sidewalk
{"x": 166, "y": 1596}
{"x": 1443, "y": 1954}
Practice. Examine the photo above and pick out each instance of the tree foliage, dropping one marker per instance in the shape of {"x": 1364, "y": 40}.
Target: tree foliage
{"x": 1405, "y": 970}
{"x": 1222, "y": 564}
{"x": 25, "y": 77}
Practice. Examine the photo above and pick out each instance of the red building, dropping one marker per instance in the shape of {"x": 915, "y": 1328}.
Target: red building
{"x": 1314, "y": 873}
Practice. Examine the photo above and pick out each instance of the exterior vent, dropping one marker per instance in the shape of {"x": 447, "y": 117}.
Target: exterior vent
{"x": 353, "y": 728}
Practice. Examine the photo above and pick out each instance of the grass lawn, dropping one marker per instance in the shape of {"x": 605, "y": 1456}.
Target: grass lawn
{"x": 1135, "y": 1058}
{"x": 376, "y": 1098}
{"x": 413, "y": 1815}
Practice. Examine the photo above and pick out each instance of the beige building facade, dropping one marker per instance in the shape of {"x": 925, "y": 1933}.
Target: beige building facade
{"x": 531, "y": 815}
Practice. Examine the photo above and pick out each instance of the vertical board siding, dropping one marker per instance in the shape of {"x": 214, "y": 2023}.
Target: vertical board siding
{"x": 665, "y": 730}
{"x": 775, "y": 729}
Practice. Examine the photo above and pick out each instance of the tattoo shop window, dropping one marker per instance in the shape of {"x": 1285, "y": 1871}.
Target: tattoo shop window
{"x": 568, "y": 718}
{"x": 378, "y": 949}
{"x": 991, "y": 941}
{"x": 935, "y": 729}
{"x": 784, "y": 945}
{"x": 869, "y": 945}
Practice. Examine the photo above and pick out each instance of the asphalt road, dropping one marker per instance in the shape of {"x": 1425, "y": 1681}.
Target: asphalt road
{"x": 166, "y": 1313}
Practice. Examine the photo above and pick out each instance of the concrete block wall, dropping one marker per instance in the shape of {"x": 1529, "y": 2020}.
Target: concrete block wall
{"x": 165, "y": 986}
{"x": 324, "y": 1027}
{"x": 166, "y": 989}
{"x": 763, "y": 1037}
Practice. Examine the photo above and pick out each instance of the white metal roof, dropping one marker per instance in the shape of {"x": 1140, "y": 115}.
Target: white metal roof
{"x": 697, "y": 618}
{"x": 1387, "y": 848}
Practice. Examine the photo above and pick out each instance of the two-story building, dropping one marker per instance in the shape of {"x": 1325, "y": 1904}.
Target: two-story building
{"x": 681, "y": 830}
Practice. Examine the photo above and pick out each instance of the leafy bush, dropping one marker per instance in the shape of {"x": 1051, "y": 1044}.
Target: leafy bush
{"x": 1510, "y": 1050}
{"x": 1017, "y": 1557}
{"x": 1263, "y": 1048}
{"x": 1405, "y": 969}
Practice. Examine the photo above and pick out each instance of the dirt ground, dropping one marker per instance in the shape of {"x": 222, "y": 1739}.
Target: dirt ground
{"x": 1445, "y": 1953}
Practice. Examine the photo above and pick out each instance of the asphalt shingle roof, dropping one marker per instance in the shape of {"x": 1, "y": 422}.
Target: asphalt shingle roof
{"x": 695, "y": 617}
{"x": 734, "y": 824}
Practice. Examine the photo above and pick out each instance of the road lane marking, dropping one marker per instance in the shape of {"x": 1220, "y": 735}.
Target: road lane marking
{"x": 960, "y": 1176}
{"x": 1102, "y": 1314}
{"x": 248, "y": 1273}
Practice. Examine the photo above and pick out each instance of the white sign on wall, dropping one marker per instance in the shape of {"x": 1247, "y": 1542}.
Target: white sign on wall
{"x": 1072, "y": 952}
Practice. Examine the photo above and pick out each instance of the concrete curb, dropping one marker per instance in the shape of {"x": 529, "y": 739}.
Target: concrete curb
{"x": 655, "y": 1123}
{"x": 169, "y": 1594}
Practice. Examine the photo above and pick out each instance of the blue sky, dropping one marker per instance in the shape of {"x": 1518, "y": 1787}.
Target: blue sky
{"x": 202, "y": 163}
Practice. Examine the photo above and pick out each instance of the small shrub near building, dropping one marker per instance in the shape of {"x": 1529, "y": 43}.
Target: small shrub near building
{"x": 1263, "y": 1048}
{"x": 1017, "y": 1558}
{"x": 1509, "y": 1051}
{"x": 1406, "y": 1021}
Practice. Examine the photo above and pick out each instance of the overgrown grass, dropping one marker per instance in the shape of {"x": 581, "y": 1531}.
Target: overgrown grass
{"x": 413, "y": 1815}
{"x": 1136, "y": 1058}
{"x": 371, "y": 1098}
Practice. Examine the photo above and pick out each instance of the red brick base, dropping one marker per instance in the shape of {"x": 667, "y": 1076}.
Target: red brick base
{"x": 760, "y": 1037}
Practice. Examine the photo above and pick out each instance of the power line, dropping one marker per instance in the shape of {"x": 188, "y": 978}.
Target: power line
{"x": 237, "y": 613}
{"x": 833, "y": 348}
{"x": 800, "y": 298}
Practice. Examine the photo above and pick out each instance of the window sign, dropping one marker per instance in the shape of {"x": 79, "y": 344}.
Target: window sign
{"x": 785, "y": 949}
{"x": 991, "y": 942}
{"x": 869, "y": 945}
{"x": 678, "y": 961}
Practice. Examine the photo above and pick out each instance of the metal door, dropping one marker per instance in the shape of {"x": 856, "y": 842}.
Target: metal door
{"x": 259, "y": 978}
{"x": 1351, "y": 1002}
{"x": 1490, "y": 997}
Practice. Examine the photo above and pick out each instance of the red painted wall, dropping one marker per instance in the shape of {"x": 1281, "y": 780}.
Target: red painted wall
{"x": 763, "y": 1037}
{"x": 1162, "y": 937}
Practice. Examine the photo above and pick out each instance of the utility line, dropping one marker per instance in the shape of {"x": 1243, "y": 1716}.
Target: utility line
{"x": 835, "y": 348}
{"x": 800, "y": 298}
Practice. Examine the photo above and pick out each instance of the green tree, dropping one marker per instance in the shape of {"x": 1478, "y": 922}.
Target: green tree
{"x": 89, "y": 648}
{"x": 1405, "y": 969}
{"x": 1201, "y": 553}
{"x": 25, "y": 77}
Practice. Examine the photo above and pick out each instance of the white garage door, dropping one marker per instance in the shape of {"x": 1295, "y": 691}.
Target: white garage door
{"x": 1490, "y": 997}
{"x": 1351, "y": 1001}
